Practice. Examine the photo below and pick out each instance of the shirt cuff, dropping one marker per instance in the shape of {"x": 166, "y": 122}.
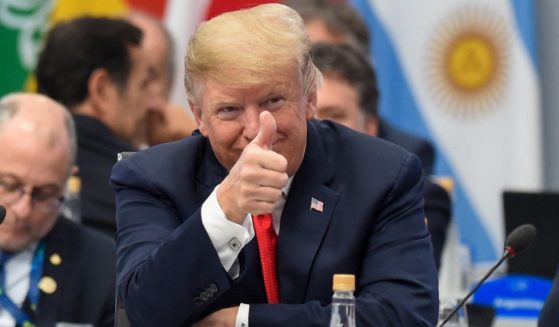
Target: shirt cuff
{"x": 227, "y": 237}
{"x": 242, "y": 316}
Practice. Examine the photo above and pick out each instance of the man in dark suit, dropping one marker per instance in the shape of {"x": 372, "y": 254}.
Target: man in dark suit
{"x": 51, "y": 269}
{"x": 246, "y": 222}
{"x": 349, "y": 96}
{"x": 95, "y": 68}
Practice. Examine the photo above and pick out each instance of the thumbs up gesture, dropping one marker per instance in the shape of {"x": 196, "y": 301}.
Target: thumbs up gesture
{"x": 254, "y": 184}
{"x": 267, "y": 132}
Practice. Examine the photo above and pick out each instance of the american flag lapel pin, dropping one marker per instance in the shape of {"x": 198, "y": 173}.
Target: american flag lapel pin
{"x": 317, "y": 205}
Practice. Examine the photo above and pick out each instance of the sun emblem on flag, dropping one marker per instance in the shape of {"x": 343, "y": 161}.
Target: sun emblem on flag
{"x": 467, "y": 62}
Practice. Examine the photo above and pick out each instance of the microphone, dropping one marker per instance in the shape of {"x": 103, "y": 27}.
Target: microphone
{"x": 518, "y": 240}
{"x": 2, "y": 213}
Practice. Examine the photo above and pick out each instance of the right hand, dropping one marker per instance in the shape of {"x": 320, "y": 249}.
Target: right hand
{"x": 254, "y": 184}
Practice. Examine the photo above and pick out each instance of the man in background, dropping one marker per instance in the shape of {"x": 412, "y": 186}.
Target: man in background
{"x": 52, "y": 269}
{"x": 337, "y": 22}
{"x": 173, "y": 122}
{"x": 115, "y": 81}
{"x": 349, "y": 95}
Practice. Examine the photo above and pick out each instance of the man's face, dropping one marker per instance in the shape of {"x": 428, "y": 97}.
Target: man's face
{"x": 338, "y": 101}
{"x": 41, "y": 169}
{"x": 230, "y": 117}
{"x": 145, "y": 93}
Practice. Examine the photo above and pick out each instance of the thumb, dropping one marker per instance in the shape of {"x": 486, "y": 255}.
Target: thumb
{"x": 267, "y": 130}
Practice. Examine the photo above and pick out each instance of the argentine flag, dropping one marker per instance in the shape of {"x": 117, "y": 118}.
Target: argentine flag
{"x": 462, "y": 73}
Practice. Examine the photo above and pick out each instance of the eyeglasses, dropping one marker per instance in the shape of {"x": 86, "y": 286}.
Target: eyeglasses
{"x": 44, "y": 198}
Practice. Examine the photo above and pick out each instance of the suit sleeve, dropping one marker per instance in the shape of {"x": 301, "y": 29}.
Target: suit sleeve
{"x": 397, "y": 284}
{"x": 167, "y": 268}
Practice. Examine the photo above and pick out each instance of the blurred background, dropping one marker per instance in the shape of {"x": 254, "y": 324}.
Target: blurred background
{"x": 476, "y": 78}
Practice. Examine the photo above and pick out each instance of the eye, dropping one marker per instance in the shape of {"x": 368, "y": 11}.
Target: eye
{"x": 10, "y": 184}
{"x": 148, "y": 81}
{"x": 10, "y": 187}
{"x": 46, "y": 193}
{"x": 228, "y": 112}
{"x": 273, "y": 103}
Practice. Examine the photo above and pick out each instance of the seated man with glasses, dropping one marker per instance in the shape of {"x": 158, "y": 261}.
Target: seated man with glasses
{"x": 51, "y": 269}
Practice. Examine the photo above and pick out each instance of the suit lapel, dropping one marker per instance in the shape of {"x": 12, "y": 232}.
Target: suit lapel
{"x": 55, "y": 268}
{"x": 303, "y": 228}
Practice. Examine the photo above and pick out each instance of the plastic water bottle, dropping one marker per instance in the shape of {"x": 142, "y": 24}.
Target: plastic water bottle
{"x": 343, "y": 301}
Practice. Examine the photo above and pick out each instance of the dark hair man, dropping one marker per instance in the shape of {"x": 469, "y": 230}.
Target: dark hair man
{"x": 336, "y": 22}
{"x": 97, "y": 69}
{"x": 348, "y": 95}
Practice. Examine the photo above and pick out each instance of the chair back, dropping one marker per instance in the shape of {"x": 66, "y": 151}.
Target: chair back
{"x": 121, "y": 319}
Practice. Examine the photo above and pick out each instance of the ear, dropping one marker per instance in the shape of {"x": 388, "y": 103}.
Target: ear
{"x": 102, "y": 92}
{"x": 197, "y": 111}
{"x": 371, "y": 126}
{"x": 311, "y": 105}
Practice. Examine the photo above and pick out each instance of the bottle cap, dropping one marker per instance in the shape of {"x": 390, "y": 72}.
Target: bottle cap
{"x": 343, "y": 282}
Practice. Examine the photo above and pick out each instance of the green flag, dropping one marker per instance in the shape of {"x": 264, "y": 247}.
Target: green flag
{"x": 22, "y": 25}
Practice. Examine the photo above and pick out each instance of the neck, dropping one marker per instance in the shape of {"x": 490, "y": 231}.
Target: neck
{"x": 86, "y": 108}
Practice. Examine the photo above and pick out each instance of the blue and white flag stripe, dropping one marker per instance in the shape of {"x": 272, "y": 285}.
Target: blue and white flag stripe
{"x": 487, "y": 144}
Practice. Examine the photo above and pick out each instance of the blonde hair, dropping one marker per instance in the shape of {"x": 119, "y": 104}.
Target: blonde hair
{"x": 243, "y": 48}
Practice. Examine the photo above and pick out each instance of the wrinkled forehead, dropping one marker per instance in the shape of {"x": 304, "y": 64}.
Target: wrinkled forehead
{"x": 36, "y": 129}
{"x": 37, "y": 159}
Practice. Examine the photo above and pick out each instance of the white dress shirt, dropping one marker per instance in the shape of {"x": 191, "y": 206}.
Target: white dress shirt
{"x": 17, "y": 273}
{"x": 229, "y": 238}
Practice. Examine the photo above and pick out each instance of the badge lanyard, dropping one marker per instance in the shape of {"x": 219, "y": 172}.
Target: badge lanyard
{"x": 20, "y": 316}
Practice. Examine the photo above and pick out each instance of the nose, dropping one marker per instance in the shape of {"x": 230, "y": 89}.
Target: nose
{"x": 251, "y": 123}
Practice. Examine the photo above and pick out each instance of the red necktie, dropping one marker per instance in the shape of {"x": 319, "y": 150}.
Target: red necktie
{"x": 267, "y": 241}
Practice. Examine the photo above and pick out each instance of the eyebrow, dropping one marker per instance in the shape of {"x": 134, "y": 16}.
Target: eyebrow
{"x": 18, "y": 180}
{"x": 222, "y": 104}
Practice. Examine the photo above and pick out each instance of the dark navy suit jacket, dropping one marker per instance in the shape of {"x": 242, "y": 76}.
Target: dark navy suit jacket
{"x": 84, "y": 277}
{"x": 97, "y": 153}
{"x": 372, "y": 225}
